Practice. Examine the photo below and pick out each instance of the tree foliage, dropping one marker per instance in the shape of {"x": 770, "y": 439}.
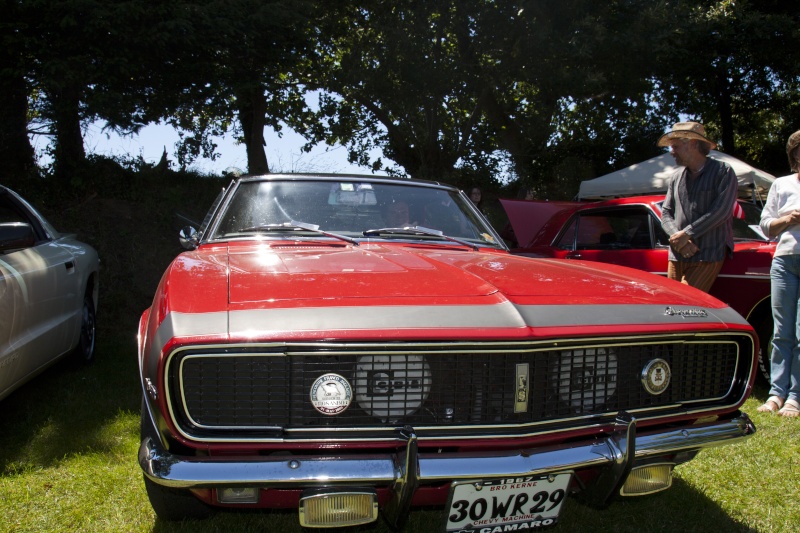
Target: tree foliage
{"x": 539, "y": 92}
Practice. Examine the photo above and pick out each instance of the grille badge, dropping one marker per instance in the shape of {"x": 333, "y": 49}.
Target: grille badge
{"x": 521, "y": 395}
{"x": 389, "y": 388}
{"x": 331, "y": 394}
{"x": 655, "y": 376}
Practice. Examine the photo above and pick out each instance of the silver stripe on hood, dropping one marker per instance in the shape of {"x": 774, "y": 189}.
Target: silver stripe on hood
{"x": 503, "y": 315}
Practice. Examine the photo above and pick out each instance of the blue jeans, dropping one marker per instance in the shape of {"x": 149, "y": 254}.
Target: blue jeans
{"x": 785, "y": 362}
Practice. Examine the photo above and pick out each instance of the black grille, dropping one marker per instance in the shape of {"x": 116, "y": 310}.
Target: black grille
{"x": 441, "y": 385}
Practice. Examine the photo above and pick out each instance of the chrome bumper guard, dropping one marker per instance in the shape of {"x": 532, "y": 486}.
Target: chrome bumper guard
{"x": 404, "y": 471}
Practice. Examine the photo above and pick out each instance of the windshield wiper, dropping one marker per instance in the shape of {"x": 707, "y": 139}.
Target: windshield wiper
{"x": 295, "y": 225}
{"x": 419, "y": 230}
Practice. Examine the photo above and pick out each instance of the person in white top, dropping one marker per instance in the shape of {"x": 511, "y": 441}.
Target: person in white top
{"x": 781, "y": 218}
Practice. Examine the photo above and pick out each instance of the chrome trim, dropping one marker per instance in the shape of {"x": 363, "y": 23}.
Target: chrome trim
{"x": 747, "y": 275}
{"x": 616, "y": 452}
{"x": 406, "y": 484}
{"x": 475, "y": 347}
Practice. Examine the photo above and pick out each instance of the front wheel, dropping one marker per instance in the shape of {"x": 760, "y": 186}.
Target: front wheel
{"x": 84, "y": 351}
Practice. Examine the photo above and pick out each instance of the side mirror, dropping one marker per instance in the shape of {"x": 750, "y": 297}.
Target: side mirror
{"x": 16, "y": 236}
{"x": 189, "y": 238}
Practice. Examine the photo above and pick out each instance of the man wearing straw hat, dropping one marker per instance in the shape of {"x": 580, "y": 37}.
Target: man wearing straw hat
{"x": 698, "y": 210}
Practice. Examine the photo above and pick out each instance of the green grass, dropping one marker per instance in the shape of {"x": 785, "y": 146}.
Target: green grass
{"x": 68, "y": 462}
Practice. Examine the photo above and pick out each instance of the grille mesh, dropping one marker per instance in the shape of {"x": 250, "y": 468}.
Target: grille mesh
{"x": 422, "y": 386}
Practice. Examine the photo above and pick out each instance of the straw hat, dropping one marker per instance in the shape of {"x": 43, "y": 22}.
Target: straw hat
{"x": 686, "y": 130}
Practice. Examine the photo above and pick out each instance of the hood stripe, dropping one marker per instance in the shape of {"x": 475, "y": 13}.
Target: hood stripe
{"x": 503, "y": 315}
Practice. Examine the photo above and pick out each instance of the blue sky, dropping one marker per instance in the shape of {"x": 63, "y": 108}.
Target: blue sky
{"x": 283, "y": 153}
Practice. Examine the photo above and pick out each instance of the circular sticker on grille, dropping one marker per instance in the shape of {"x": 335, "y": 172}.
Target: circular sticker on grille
{"x": 655, "y": 376}
{"x": 331, "y": 394}
{"x": 391, "y": 387}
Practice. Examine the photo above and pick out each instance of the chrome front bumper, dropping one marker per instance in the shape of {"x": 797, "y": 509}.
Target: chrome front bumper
{"x": 614, "y": 455}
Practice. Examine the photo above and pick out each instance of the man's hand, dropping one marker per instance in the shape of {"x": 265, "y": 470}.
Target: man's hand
{"x": 678, "y": 240}
{"x": 682, "y": 243}
{"x": 689, "y": 250}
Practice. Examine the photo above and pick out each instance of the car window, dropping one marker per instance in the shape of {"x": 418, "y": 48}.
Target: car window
{"x": 612, "y": 229}
{"x": 349, "y": 208}
{"x": 746, "y": 222}
{"x": 9, "y": 215}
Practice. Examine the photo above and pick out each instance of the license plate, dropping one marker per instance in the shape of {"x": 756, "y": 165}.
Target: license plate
{"x": 481, "y": 506}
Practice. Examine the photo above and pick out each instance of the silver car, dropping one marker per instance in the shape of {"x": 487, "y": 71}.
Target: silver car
{"x": 48, "y": 294}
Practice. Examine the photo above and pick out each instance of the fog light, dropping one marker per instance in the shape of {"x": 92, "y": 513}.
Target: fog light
{"x": 237, "y": 495}
{"x": 647, "y": 480}
{"x": 335, "y": 509}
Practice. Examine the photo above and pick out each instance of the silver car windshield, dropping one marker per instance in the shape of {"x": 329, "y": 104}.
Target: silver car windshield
{"x": 358, "y": 209}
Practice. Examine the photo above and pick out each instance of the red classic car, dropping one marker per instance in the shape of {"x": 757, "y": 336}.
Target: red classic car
{"x": 350, "y": 346}
{"x": 627, "y": 231}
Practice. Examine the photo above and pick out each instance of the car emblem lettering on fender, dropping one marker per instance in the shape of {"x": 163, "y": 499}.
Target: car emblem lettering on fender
{"x": 688, "y": 312}
{"x": 331, "y": 394}
{"x": 655, "y": 376}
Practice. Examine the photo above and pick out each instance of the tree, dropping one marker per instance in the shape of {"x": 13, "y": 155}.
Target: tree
{"x": 392, "y": 80}
{"x": 732, "y": 66}
{"x": 441, "y": 87}
{"x": 16, "y": 152}
{"x": 238, "y": 76}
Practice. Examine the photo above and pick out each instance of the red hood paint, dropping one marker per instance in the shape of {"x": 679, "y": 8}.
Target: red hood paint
{"x": 274, "y": 275}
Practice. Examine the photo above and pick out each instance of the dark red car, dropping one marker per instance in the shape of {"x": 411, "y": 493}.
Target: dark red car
{"x": 627, "y": 231}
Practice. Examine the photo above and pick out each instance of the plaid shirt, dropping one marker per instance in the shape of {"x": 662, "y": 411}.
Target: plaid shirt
{"x": 703, "y": 207}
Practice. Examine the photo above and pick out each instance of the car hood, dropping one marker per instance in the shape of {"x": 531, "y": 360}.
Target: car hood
{"x": 281, "y": 275}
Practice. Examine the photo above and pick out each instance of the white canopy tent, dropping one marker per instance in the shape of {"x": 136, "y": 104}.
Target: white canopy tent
{"x": 651, "y": 177}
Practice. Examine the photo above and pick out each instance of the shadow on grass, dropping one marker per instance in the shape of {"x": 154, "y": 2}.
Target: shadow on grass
{"x": 64, "y": 410}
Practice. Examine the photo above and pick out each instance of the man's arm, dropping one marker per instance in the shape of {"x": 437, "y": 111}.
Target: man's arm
{"x": 668, "y": 207}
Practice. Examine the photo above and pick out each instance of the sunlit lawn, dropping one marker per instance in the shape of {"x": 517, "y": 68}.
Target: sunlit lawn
{"x": 69, "y": 440}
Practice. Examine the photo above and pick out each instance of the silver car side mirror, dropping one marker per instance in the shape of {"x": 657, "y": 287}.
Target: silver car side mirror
{"x": 189, "y": 238}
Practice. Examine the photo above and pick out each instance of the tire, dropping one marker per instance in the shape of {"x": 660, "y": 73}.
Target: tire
{"x": 765, "y": 331}
{"x": 168, "y": 503}
{"x": 84, "y": 351}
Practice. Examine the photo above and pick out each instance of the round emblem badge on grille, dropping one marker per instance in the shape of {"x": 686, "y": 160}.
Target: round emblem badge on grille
{"x": 331, "y": 394}
{"x": 585, "y": 378}
{"x": 391, "y": 387}
{"x": 655, "y": 376}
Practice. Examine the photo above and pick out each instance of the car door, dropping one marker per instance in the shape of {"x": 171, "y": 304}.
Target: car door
{"x": 623, "y": 235}
{"x": 36, "y": 284}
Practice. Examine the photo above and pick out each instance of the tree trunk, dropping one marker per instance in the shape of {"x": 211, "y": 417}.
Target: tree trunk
{"x": 725, "y": 111}
{"x": 16, "y": 152}
{"x": 252, "y": 116}
{"x": 69, "y": 153}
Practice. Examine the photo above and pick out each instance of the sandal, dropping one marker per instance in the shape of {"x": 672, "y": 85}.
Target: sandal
{"x": 791, "y": 409}
{"x": 772, "y": 405}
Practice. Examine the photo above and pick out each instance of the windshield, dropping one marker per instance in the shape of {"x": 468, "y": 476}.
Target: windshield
{"x": 350, "y": 209}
